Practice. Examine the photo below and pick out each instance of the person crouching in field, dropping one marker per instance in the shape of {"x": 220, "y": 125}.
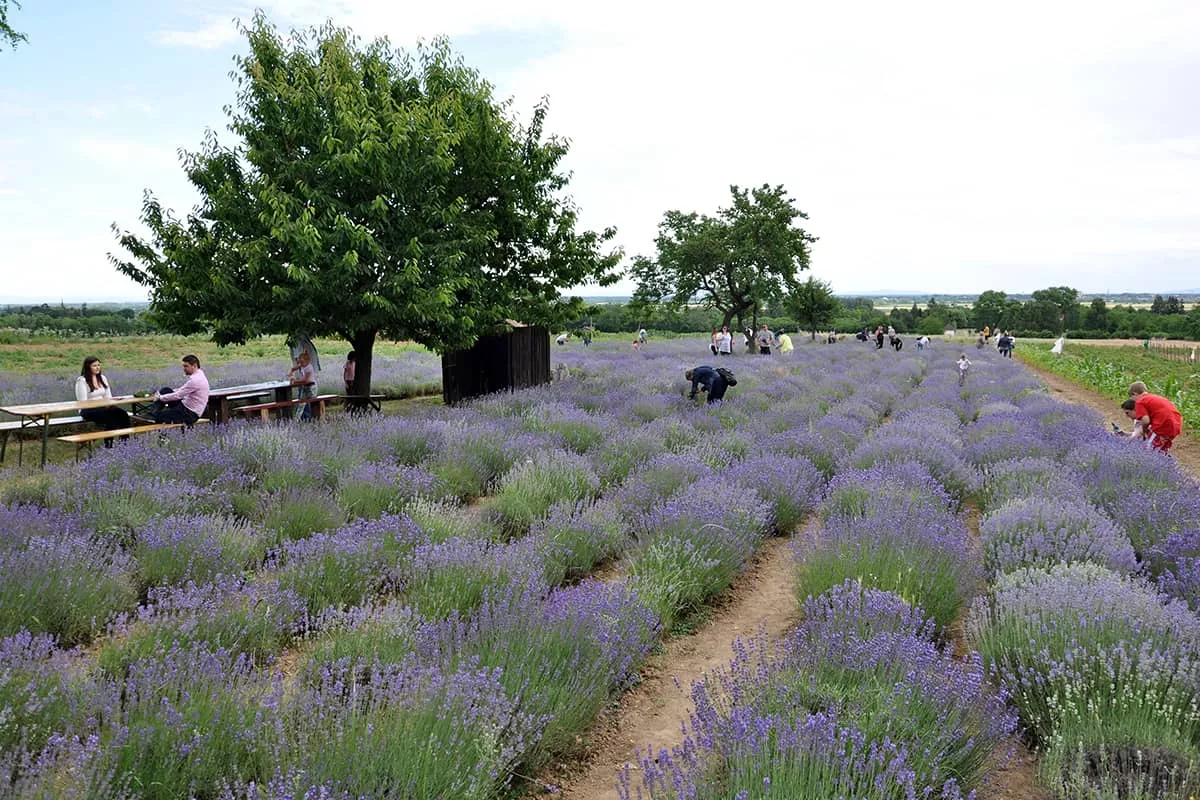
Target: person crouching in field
{"x": 706, "y": 379}
{"x": 1157, "y": 416}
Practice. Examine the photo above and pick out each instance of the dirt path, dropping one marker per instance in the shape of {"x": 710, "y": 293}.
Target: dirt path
{"x": 652, "y": 713}
{"x": 1185, "y": 449}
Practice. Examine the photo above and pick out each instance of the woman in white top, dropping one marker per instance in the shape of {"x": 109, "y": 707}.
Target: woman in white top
{"x": 92, "y": 385}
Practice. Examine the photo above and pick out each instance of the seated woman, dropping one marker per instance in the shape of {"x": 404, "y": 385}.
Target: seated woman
{"x": 92, "y": 385}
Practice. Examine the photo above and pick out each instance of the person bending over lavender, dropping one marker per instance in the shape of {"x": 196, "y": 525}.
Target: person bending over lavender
{"x": 707, "y": 379}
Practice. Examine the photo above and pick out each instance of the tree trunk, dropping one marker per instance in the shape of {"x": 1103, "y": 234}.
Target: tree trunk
{"x": 363, "y": 343}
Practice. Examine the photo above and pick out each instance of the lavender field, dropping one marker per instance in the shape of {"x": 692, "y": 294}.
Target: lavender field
{"x": 439, "y": 604}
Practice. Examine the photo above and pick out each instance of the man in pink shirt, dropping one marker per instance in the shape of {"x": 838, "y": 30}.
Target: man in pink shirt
{"x": 187, "y": 403}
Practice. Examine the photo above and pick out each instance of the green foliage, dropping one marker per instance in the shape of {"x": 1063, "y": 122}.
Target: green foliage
{"x": 370, "y": 192}
{"x": 297, "y": 515}
{"x": 813, "y": 303}
{"x": 738, "y": 262}
{"x": 7, "y": 34}
{"x": 214, "y": 545}
{"x": 1110, "y": 370}
{"x": 920, "y": 573}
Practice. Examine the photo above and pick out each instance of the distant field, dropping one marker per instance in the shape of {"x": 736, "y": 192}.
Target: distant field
{"x": 140, "y": 353}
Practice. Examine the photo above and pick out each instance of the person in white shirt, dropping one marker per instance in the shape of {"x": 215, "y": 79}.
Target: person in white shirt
{"x": 724, "y": 341}
{"x": 92, "y": 385}
{"x": 304, "y": 376}
{"x": 964, "y": 364}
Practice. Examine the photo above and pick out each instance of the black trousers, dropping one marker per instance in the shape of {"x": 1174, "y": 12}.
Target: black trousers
{"x": 172, "y": 413}
{"x": 109, "y": 419}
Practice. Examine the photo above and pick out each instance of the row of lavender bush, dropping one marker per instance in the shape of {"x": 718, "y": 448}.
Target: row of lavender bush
{"x": 210, "y": 556}
{"x": 864, "y": 699}
{"x": 200, "y": 561}
{"x": 1082, "y": 534}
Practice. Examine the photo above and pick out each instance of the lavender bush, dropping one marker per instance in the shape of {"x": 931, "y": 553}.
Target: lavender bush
{"x": 229, "y": 614}
{"x": 180, "y": 548}
{"x": 856, "y": 703}
{"x": 68, "y": 585}
{"x": 1082, "y": 648}
{"x": 1042, "y": 533}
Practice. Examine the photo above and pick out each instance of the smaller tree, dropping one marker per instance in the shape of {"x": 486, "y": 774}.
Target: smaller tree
{"x": 1096, "y": 318}
{"x": 813, "y": 304}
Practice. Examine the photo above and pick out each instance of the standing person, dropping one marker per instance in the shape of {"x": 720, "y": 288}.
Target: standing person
{"x": 964, "y": 364}
{"x": 1006, "y": 344}
{"x": 879, "y": 338}
{"x": 765, "y": 340}
{"x": 713, "y": 343}
{"x": 707, "y": 379}
{"x": 641, "y": 336}
{"x": 785, "y": 343}
{"x": 348, "y": 370}
{"x": 748, "y": 334}
{"x": 92, "y": 385}
{"x": 987, "y": 334}
{"x": 587, "y": 335}
{"x": 305, "y": 377}
{"x": 724, "y": 341}
{"x": 1156, "y": 413}
{"x": 187, "y": 403}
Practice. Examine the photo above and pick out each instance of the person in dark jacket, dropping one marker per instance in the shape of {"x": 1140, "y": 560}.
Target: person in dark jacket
{"x": 706, "y": 379}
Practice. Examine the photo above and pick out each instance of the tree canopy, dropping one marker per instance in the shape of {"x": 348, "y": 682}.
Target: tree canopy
{"x": 813, "y": 304}
{"x": 7, "y": 33}
{"x": 371, "y": 192}
{"x": 737, "y": 262}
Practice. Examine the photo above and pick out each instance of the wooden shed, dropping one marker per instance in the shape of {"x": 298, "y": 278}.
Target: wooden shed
{"x": 505, "y": 362}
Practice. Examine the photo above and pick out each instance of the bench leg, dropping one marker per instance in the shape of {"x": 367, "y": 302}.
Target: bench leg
{"x": 3, "y": 444}
{"x": 264, "y": 414}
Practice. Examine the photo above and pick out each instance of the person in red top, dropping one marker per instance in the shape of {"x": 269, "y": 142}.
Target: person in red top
{"x": 1156, "y": 413}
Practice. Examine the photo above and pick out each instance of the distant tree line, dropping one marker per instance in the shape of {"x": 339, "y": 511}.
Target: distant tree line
{"x": 1047, "y": 314}
{"x": 64, "y": 320}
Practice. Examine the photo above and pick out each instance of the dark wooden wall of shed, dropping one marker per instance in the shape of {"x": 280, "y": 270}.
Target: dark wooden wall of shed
{"x": 510, "y": 361}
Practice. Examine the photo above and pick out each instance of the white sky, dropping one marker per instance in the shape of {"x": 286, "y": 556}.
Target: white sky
{"x": 936, "y": 146}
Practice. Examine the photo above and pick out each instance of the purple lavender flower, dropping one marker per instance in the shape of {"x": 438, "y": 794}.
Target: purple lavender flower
{"x": 1041, "y": 533}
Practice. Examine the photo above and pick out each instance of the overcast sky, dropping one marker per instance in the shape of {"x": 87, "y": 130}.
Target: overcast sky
{"x": 935, "y": 146}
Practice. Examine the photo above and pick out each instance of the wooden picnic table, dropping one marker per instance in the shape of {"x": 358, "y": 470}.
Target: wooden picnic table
{"x": 219, "y": 400}
{"x": 38, "y": 415}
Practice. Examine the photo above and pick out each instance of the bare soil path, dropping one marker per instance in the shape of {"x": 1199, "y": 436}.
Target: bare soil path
{"x": 653, "y": 712}
{"x": 1186, "y": 449}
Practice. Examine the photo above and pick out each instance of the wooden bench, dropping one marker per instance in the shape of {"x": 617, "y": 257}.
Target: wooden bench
{"x": 263, "y": 410}
{"x": 9, "y": 427}
{"x": 357, "y": 403}
{"x": 82, "y": 440}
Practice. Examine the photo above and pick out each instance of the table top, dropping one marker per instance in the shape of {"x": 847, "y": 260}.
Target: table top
{"x": 249, "y": 387}
{"x": 47, "y": 409}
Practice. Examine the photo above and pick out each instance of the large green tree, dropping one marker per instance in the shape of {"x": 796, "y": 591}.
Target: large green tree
{"x": 813, "y": 304}
{"x": 736, "y": 262}
{"x": 370, "y": 193}
{"x": 7, "y": 33}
